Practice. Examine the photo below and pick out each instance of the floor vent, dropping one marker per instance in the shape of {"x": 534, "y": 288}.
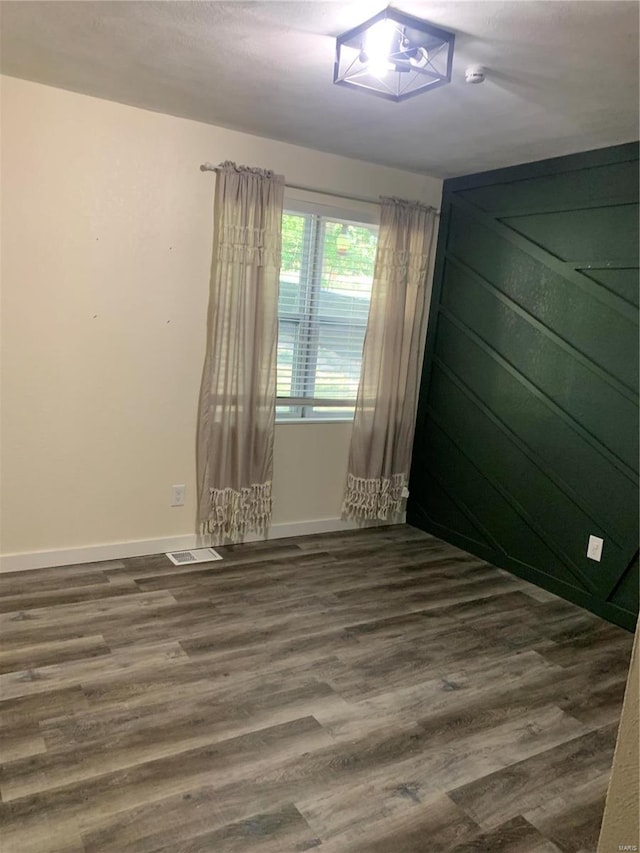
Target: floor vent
{"x": 198, "y": 555}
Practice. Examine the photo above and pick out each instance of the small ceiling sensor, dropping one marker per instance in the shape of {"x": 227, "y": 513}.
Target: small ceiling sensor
{"x": 474, "y": 74}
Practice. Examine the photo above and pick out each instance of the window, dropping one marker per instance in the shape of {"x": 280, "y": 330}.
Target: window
{"x": 325, "y": 290}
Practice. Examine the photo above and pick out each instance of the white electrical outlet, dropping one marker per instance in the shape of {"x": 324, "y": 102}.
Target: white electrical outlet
{"x": 594, "y": 548}
{"x": 177, "y": 495}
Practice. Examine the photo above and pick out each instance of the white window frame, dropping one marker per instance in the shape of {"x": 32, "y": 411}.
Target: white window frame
{"x": 302, "y": 202}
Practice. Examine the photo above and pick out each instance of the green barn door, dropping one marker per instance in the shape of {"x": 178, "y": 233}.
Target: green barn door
{"x": 527, "y": 435}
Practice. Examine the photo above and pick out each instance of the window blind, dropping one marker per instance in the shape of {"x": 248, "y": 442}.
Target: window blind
{"x": 325, "y": 291}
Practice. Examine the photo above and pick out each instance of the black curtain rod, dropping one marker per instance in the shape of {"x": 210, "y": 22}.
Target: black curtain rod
{"x": 211, "y": 167}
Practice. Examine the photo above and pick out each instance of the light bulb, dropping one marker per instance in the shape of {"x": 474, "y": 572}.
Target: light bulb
{"x": 380, "y": 69}
{"x": 377, "y": 47}
{"x": 420, "y": 59}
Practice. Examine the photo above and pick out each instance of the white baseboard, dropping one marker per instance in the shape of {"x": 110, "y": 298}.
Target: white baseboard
{"x": 142, "y": 547}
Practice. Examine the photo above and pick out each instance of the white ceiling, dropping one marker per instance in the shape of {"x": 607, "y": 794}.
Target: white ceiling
{"x": 562, "y": 75}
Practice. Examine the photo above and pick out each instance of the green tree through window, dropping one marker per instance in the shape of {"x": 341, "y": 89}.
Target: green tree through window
{"x": 325, "y": 290}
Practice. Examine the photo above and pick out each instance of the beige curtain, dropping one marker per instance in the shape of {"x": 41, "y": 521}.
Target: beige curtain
{"x": 238, "y": 393}
{"x": 384, "y": 422}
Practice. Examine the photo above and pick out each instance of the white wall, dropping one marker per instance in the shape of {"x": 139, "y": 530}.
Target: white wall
{"x": 621, "y": 821}
{"x": 106, "y": 247}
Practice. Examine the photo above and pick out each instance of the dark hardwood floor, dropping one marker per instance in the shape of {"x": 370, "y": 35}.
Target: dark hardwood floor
{"x": 376, "y": 691}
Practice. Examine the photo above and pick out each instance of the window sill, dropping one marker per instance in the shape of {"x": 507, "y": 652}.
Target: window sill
{"x": 296, "y": 421}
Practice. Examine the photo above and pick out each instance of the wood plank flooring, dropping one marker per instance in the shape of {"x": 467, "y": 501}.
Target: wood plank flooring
{"x": 375, "y": 691}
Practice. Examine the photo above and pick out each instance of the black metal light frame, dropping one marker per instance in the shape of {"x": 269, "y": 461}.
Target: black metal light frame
{"x": 409, "y": 80}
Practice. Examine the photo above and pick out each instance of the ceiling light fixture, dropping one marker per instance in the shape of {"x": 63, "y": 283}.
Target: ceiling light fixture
{"x": 394, "y": 56}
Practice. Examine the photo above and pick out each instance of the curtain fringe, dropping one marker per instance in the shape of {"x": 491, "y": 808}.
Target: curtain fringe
{"x": 379, "y": 498}
{"x": 234, "y": 513}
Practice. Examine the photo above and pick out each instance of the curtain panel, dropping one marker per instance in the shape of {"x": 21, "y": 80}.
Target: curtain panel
{"x": 238, "y": 391}
{"x": 386, "y": 407}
